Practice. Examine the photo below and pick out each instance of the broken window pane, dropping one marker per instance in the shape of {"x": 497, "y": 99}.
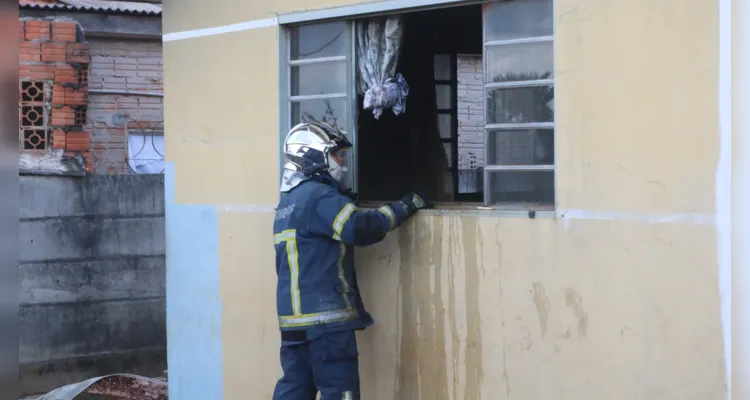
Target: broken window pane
{"x": 518, "y": 19}
{"x": 319, "y": 40}
{"x": 521, "y": 147}
{"x": 332, "y": 111}
{"x": 520, "y": 62}
{"x": 320, "y": 78}
{"x": 521, "y": 186}
{"x": 520, "y": 105}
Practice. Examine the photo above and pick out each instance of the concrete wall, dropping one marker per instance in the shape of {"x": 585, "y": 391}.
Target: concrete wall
{"x": 614, "y": 296}
{"x": 92, "y": 274}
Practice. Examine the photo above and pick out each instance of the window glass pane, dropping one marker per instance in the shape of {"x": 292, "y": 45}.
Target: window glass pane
{"x": 445, "y": 125}
{"x": 519, "y": 105}
{"x": 527, "y": 147}
{"x": 521, "y": 186}
{"x": 146, "y": 153}
{"x": 518, "y": 19}
{"x": 318, "y": 40}
{"x": 332, "y": 111}
{"x": 444, "y": 96}
{"x": 520, "y": 62}
{"x": 443, "y": 67}
{"x": 319, "y": 78}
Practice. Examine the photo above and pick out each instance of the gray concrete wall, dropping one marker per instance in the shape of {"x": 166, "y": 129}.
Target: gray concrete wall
{"x": 92, "y": 272}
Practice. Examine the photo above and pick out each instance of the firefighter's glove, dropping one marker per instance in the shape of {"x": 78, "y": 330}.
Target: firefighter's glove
{"x": 350, "y": 194}
{"x": 415, "y": 201}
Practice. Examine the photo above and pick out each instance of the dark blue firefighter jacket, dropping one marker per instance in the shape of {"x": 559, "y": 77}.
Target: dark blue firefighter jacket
{"x": 315, "y": 229}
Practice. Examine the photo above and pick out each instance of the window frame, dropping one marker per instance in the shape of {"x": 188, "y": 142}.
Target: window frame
{"x": 350, "y": 95}
{"x": 489, "y": 168}
{"x": 350, "y": 14}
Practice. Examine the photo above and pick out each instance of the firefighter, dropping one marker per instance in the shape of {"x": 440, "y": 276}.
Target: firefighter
{"x": 317, "y": 297}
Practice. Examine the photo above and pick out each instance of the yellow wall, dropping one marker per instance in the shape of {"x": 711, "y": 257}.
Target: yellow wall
{"x": 619, "y": 302}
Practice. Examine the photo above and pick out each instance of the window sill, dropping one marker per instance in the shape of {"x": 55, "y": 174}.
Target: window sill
{"x": 509, "y": 210}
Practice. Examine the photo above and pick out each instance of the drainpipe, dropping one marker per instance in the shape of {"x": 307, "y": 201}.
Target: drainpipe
{"x": 740, "y": 176}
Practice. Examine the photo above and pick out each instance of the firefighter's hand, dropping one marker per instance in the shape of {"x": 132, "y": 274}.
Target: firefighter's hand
{"x": 416, "y": 201}
{"x": 350, "y": 194}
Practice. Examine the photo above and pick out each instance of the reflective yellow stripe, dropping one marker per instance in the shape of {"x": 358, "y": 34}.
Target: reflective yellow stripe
{"x": 388, "y": 212}
{"x": 293, "y": 321}
{"x": 290, "y": 237}
{"x": 347, "y": 396}
{"x": 341, "y": 218}
{"x": 289, "y": 234}
{"x": 293, "y": 257}
{"x": 342, "y": 275}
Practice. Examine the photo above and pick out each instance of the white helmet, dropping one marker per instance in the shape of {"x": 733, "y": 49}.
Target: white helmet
{"x": 307, "y": 150}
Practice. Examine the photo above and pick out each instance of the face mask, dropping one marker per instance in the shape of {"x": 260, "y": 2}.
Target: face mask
{"x": 335, "y": 169}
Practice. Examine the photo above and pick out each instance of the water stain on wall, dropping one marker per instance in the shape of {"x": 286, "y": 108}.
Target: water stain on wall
{"x": 422, "y": 355}
{"x": 472, "y": 243}
{"x": 542, "y": 303}
{"x": 575, "y": 303}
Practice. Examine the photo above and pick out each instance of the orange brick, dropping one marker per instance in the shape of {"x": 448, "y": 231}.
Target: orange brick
{"x": 28, "y": 51}
{"x": 58, "y": 139}
{"x": 63, "y": 31}
{"x": 68, "y": 96}
{"x": 77, "y": 53}
{"x": 58, "y": 95}
{"x": 21, "y": 34}
{"x": 65, "y": 74}
{"x": 63, "y": 116}
{"x": 53, "y": 52}
{"x": 78, "y": 135}
{"x": 42, "y": 72}
{"x": 23, "y": 72}
{"x": 37, "y": 30}
{"x": 76, "y": 146}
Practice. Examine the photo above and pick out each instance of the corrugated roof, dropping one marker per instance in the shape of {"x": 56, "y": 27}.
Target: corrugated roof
{"x": 105, "y": 6}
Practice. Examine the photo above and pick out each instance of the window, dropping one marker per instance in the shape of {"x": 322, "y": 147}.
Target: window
{"x": 519, "y": 87}
{"x": 478, "y": 125}
{"x": 318, "y": 69}
{"x": 146, "y": 151}
{"x": 33, "y": 115}
{"x": 444, "y": 74}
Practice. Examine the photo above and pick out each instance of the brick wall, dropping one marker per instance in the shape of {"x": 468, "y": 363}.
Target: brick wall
{"x": 120, "y": 66}
{"x": 470, "y": 112}
{"x": 53, "y": 75}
